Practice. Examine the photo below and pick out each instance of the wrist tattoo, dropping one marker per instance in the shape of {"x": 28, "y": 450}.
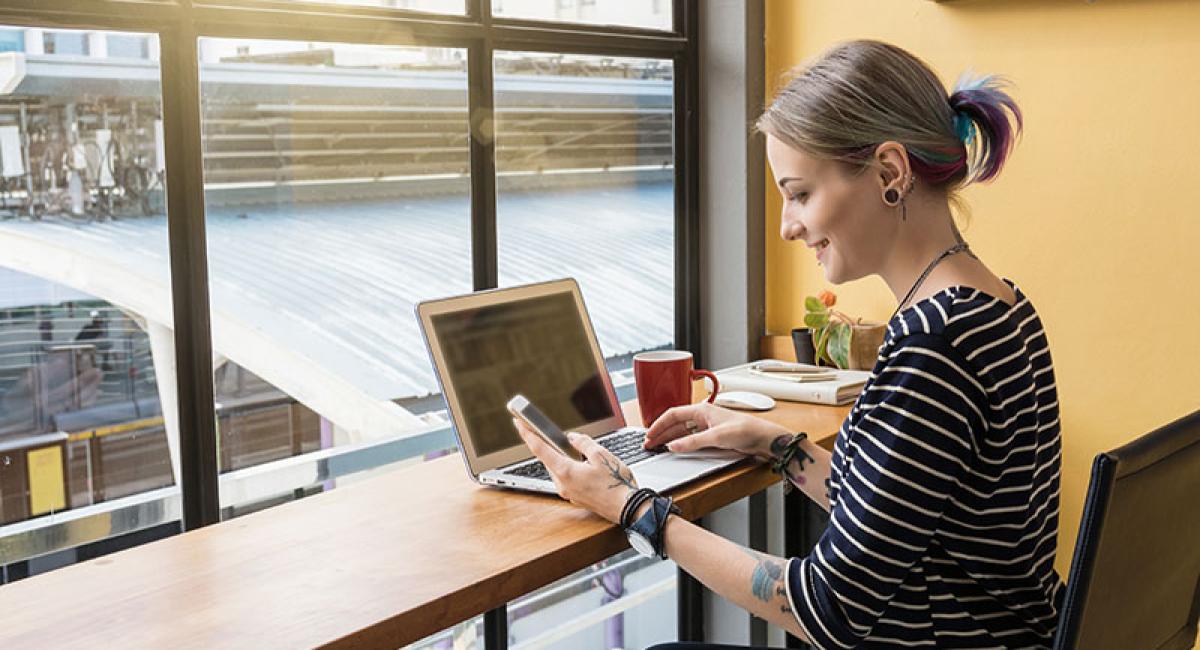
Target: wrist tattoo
{"x": 801, "y": 458}
{"x": 618, "y": 474}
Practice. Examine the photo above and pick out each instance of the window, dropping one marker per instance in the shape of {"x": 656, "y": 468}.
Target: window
{"x": 426, "y": 6}
{"x": 585, "y": 177}
{"x": 626, "y": 601}
{"x": 646, "y": 15}
{"x": 124, "y": 45}
{"x": 348, "y": 171}
{"x": 74, "y": 43}
{"x": 85, "y": 307}
{"x": 337, "y": 184}
{"x": 12, "y": 40}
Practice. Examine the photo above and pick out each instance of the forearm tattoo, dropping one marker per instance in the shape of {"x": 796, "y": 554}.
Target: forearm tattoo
{"x": 801, "y": 457}
{"x": 622, "y": 475}
{"x": 767, "y": 580}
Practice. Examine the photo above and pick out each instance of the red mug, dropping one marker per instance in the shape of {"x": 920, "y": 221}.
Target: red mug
{"x": 664, "y": 380}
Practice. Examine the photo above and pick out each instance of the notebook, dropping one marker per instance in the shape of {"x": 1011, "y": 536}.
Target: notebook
{"x": 841, "y": 386}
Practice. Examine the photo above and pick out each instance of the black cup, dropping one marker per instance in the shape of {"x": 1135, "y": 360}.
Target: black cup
{"x": 803, "y": 343}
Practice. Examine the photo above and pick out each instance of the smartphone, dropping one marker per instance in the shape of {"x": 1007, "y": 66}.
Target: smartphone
{"x": 522, "y": 408}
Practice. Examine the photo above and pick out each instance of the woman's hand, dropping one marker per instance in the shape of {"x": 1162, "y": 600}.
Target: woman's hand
{"x": 696, "y": 426}
{"x": 601, "y": 484}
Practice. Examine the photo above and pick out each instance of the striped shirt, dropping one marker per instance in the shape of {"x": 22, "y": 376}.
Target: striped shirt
{"x": 943, "y": 488}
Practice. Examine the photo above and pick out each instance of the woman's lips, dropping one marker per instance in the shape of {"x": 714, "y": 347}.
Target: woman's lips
{"x": 820, "y": 250}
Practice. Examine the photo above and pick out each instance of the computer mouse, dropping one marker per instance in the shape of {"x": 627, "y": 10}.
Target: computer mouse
{"x": 745, "y": 400}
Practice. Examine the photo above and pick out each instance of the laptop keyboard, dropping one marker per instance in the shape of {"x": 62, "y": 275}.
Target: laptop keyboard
{"x": 625, "y": 445}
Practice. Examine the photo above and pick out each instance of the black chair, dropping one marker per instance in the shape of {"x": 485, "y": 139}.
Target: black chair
{"x": 1135, "y": 579}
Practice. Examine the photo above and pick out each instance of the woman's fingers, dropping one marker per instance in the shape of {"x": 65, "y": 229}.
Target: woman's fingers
{"x": 586, "y": 446}
{"x": 676, "y": 431}
{"x": 707, "y": 438}
{"x": 675, "y": 422}
{"x": 553, "y": 459}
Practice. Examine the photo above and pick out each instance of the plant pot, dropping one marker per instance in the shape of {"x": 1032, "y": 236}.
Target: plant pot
{"x": 803, "y": 343}
{"x": 865, "y": 341}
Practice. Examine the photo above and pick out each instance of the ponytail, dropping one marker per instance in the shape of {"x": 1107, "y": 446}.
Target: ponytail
{"x": 982, "y": 123}
{"x": 861, "y": 93}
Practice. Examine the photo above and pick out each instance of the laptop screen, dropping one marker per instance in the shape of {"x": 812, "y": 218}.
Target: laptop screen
{"x": 537, "y": 347}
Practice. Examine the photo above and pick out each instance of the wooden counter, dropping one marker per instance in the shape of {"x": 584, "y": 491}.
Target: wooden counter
{"x": 379, "y": 563}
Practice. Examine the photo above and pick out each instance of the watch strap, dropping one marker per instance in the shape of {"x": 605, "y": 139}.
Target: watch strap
{"x": 652, "y": 525}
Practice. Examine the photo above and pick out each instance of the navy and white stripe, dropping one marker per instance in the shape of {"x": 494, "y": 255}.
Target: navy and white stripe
{"x": 944, "y": 488}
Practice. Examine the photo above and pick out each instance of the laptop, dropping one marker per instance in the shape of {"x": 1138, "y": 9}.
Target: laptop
{"x": 537, "y": 340}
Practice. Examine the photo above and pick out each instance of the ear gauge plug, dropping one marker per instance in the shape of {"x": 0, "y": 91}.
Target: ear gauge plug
{"x": 891, "y": 197}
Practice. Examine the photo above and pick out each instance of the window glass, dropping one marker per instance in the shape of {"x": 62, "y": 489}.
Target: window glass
{"x": 647, "y": 14}
{"x": 585, "y": 188}
{"x": 336, "y": 187}
{"x": 12, "y": 40}
{"x": 87, "y": 416}
{"x": 626, "y": 601}
{"x": 129, "y": 46}
{"x": 427, "y": 6}
{"x": 65, "y": 43}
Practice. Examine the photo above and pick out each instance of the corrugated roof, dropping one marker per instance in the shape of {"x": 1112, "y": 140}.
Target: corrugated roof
{"x": 337, "y": 281}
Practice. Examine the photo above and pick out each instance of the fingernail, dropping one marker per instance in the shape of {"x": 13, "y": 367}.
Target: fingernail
{"x": 672, "y": 446}
{"x": 571, "y": 435}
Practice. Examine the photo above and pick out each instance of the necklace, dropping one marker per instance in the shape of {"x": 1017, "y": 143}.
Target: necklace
{"x": 957, "y": 248}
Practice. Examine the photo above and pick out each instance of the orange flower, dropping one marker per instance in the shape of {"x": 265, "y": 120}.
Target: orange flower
{"x": 827, "y": 298}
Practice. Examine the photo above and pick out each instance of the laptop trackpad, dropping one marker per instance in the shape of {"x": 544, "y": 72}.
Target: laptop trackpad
{"x": 666, "y": 472}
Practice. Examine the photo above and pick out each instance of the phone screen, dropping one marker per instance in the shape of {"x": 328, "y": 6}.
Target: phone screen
{"x": 549, "y": 431}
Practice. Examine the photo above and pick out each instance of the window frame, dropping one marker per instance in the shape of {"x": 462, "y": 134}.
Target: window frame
{"x": 180, "y": 23}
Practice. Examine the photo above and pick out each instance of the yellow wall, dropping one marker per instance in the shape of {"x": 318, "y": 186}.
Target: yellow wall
{"x": 1097, "y": 215}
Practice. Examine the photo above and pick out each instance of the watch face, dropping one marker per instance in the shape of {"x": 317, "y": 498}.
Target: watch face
{"x": 640, "y": 544}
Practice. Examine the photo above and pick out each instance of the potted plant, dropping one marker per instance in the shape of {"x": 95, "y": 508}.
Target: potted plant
{"x": 839, "y": 340}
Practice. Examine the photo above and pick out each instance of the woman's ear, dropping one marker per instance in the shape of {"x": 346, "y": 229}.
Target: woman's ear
{"x": 891, "y": 160}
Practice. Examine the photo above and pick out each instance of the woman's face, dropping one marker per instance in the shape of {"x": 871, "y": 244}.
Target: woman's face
{"x": 837, "y": 213}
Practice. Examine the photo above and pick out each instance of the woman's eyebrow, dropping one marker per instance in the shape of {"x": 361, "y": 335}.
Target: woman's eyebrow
{"x": 787, "y": 179}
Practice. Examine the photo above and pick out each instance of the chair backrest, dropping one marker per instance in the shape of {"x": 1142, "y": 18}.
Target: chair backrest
{"x": 1135, "y": 579}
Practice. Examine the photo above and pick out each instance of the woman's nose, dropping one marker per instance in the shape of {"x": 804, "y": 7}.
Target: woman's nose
{"x": 790, "y": 228}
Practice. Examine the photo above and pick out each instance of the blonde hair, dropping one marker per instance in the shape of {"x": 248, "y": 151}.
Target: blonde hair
{"x": 857, "y": 95}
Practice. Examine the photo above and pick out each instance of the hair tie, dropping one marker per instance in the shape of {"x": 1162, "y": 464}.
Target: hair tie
{"x": 962, "y": 127}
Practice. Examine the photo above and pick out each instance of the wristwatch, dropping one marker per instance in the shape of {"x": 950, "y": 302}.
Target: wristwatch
{"x": 641, "y": 532}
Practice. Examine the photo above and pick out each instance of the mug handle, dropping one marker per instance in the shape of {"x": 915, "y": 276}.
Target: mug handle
{"x": 713, "y": 378}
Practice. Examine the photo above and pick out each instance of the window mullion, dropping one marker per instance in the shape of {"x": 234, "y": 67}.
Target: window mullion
{"x": 189, "y": 277}
{"x": 687, "y": 190}
{"x": 481, "y": 116}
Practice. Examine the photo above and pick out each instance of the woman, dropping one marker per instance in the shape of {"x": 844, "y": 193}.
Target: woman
{"x": 943, "y": 484}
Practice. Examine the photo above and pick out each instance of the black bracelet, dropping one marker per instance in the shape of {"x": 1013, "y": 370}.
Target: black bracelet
{"x": 632, "y": 503}
{"x": 789, "y": 452}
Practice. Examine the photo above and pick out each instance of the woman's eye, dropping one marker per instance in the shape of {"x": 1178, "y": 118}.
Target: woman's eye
{"x": 799, "y": 196}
